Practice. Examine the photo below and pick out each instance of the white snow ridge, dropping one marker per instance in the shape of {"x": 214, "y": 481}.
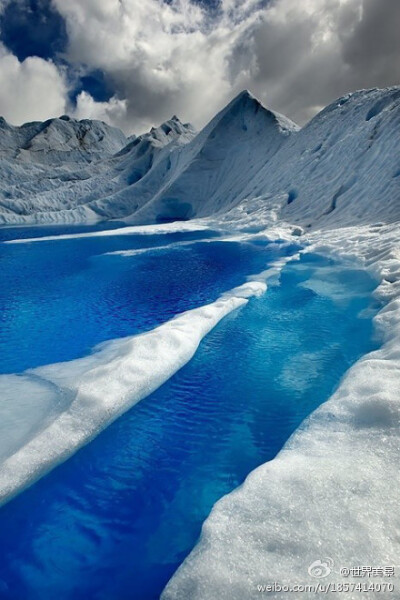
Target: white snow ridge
{"x": 334, "y": 490}
{"x": 58, "y": 408}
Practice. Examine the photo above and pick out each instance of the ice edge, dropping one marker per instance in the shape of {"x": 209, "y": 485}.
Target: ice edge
{"x": 119, "y": 373}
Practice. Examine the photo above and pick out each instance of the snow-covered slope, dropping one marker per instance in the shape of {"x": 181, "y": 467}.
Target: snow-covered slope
{"x": 75, "y": 171}
{"x": 211, "y": 173}
{"x": 43, "y": 165}
{"x": 142, "y": 168}
{"x": 59, "y": 140}
{"x": 166, "y": 174}
{"x": 61, "y": 170}
{"x": 343, "y": 167}
{"x": 329, "y": 500}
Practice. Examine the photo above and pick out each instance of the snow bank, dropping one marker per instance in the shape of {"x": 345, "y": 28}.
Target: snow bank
{"x": 176, "y": 227}
{"x": 332, "y": 493}
{"x": 70, "y": 403}
{"x": 230, "y": 239}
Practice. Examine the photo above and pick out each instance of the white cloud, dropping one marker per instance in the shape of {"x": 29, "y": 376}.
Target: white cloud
{"x": 164, "y": 58}
{"x": 172, "y": 57}
{"x": 30, "y": 90}
{"x": 296, "y": 52}
{"x": 113, "y": 111}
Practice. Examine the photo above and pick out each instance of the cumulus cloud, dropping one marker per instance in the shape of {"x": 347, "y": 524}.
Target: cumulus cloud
{"x": 307, "y": 55}
{"x": 296, "y": 55}
{"x": 113, "y": 111}
{"x": 160, "y": 58}
{"x": 163, "y": 58}
{"x": 30, "y": 90}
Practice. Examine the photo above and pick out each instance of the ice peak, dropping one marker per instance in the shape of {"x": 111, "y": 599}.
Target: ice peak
{"x": 171, "y": 128}
{"x": 3, "y": 122}
{"x": 242, "y": 100}
{"x": 167, "y": 133}
{"x": 244, "y": 95}
{"x": 247, "y": 104}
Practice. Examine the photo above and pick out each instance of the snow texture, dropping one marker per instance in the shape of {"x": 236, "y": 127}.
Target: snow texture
{"x": 68, "y": 171}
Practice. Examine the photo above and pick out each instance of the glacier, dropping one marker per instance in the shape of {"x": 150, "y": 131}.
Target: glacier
{"x": 139, "y": 492}
{"x": 245, "y": 152}
{"x": 334, "y": 186}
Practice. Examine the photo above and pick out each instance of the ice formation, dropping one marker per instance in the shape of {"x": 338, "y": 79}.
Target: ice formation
{"x": 58, "y": 408}
{"x": 175, "y": 227}
{"x": 245, "y": 152}
{"x": 67, "y": 171}
{"x": 333, "y": 491}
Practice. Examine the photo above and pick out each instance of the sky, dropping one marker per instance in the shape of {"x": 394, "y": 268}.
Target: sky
{"x": 135, "y": 63}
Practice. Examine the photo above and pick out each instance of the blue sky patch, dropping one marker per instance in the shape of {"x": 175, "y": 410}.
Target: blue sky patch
{"x": 33, "y": 28}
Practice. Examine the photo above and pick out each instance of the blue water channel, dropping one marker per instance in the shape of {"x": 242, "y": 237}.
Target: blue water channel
{"x": 116, "y": 520}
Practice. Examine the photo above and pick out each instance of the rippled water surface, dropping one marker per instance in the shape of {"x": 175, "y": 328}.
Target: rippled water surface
{"x": 116, "y": 520}
{"x": 60, "y": 298}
